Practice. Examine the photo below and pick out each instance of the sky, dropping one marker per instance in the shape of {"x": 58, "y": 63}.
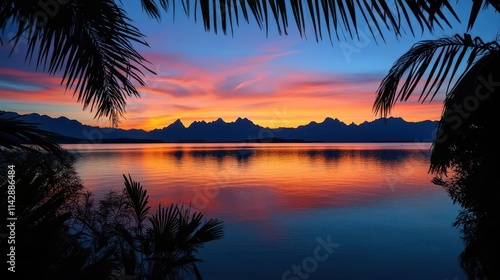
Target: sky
{"x": 273, "y": 80}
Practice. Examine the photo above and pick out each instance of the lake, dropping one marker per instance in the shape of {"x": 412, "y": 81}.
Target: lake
{"x": 297, "y": 211}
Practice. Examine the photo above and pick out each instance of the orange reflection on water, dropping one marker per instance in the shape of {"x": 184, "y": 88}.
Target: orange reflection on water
{"x": 253, "y": 181}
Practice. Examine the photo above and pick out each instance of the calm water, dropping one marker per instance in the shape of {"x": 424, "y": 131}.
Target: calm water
{"x": 298, "y": 211}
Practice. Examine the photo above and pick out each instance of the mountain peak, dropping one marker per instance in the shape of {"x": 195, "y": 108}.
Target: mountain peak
{"x": 330, "y": 120}
{"x": 177, "y": 123}
{"x": 396, "y": 119}
{"x": 243, "y": 120}
{"x": 330, "y": 130}
{"x": 197, "y": 124}
{"x": 389, "y": 119}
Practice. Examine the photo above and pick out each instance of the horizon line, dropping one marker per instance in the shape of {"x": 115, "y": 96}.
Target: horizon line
{"x": 220, "y": 118}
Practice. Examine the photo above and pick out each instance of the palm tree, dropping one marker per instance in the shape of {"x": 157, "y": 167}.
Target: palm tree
{"x": 46, "y": 190}
{"x": 89, "y": 42}
{"x": 466, "y": 66}
{"x": 162, "y": 245}
{"x": 469, "y": 97}
{"x": 463, "y": 145}
{"x": 171, "y": 237}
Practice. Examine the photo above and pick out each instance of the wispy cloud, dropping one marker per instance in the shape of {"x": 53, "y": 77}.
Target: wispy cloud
{"x": 206, "y": 88}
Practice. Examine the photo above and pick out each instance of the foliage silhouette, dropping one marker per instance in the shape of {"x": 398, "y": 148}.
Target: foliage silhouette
{"x": 443, "y": 57}
{"x": 338, "y": 17}
{"x": 90, "y": 42}
{"x": 461, "y": 156}
{"x": 471, "y": 166}
{"x": 63, "y": 233}
{"x": 18, "y": 134}
{"x": 150, "y": 246}
{"x": 46, "y": 187}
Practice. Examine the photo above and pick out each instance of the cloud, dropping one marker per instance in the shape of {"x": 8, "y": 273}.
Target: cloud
{"x": 206, "y": 88}
{"x": 12, "y": 85}
{"x": 256, "y": 104}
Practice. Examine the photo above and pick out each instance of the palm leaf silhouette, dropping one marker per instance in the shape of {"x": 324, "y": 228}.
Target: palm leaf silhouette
{"x": 89, "y": 43}
{"x": 434, "y": 64}
{"x": 16, "y": 133}
{"x": 473, "y": 132}
{"x": 138, "y": 199}
{"x": 440, "y": 59}
{"x": 476, "y": 7}
{"x": 342, "y": 19}
{"x": 177, "y": 234}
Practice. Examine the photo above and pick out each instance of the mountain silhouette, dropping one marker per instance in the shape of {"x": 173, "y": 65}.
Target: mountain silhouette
{"x": 241, "y": 130}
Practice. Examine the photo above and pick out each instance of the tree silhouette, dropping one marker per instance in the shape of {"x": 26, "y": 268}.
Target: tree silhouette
{"x": 90, "y": 43}
{"x": 464, "y": 151}
{"x": 161, "y": 245}
{"x": 63, "y": 233}
{"x": 45, "y": 188}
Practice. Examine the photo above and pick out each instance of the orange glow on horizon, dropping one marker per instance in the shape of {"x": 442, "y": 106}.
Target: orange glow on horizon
{"x": 269, "y": 95}
{"x": 250, "y": 182}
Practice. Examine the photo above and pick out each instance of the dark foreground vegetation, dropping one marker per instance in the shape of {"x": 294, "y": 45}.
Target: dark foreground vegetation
{"x": 63, "y": 231}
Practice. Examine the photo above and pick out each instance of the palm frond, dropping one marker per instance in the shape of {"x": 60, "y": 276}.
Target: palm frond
{"x": 16, "y": 133}
{"x": 196, "y": 271}
{"x": 164, "y": 227}
{"x": 339, "y": 17}
{"x": 211, "y": 230}
{"x": 476, "y": 7}
{"x": 178, "y": 233}
{"x": 89, "y": 43}
{"x": 137, "y": 198}
{"x": 193, "y": 233}
{"x": 461, "y": 133}
{"x": 440, "y": 59}
{"x": 151, "y": 8}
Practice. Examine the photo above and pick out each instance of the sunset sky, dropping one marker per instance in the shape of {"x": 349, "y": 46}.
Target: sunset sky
{"x": 275, "y": 81}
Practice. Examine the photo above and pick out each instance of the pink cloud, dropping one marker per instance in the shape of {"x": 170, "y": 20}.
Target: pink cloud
{"x": 255, "y": 87}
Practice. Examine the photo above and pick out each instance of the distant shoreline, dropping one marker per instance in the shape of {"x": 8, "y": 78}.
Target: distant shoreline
{"x": 257, "y": 141}
{"x": 382, "y": 130}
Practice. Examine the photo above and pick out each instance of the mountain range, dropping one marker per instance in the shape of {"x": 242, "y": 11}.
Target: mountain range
{"x": 242, "y": 130}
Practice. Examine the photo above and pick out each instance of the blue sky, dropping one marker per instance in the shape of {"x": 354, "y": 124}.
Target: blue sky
{"x": 203, "y": 76}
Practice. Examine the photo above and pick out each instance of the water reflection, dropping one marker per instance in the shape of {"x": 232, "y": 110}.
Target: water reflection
{"x": 376, "y": 200}
{"x": 240, "y": 155}
{"x": 218, "y": 178}
{"x": 478, "y": 220}
{"x": 482, "y": 244}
